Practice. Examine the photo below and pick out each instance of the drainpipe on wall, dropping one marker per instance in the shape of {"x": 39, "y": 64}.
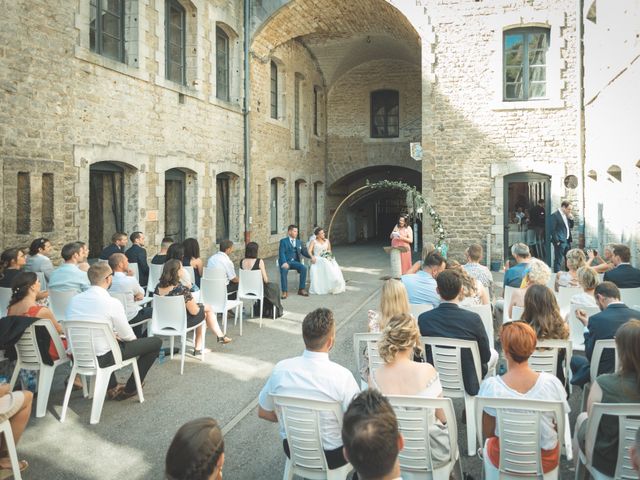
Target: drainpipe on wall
{"x": 245, "y": 113}
{"x": 581, "y": 122}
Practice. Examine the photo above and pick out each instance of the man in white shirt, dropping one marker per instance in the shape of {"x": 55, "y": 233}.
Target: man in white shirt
{"x": 372, "y": 439}
{"x": 127, "y": 284}
{"x": 222, "y": 260}
{"x": 313, "y": 376}
{"x": 96, "y": 305}
{"x": 68, "y": 276}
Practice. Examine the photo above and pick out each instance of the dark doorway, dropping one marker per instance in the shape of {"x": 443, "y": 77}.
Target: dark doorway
{"x": 222, "y": 207}
{"x": 174, "y": 200}
{"x": 106, "y": 199}
{"x": 526, "y": 211}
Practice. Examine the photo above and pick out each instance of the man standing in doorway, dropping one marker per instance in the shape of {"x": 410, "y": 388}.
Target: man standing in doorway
{"x": 537, "y": 222}
{"x": 561, "y": 225}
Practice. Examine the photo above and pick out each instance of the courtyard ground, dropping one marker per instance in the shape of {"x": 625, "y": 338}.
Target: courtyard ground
{"x": 132, "y": 438}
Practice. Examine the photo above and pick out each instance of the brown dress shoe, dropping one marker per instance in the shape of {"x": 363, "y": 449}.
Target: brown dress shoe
{"x": 284, "y": 295}
{"x": 303, "y": 292}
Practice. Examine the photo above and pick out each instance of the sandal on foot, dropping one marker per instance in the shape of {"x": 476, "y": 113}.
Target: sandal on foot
{"x": 113, "y": 393}
{"x": 6, "y": 471}
{"x": 224, "y": 340}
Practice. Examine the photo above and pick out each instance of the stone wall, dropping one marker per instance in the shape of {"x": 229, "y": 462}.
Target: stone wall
{"x": 66, "y": 108}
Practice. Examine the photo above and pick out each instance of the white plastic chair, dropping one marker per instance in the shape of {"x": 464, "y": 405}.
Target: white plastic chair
{"x": 5, "y": 298}
{"x": 252, "y": 288}
{"x": 213, "y": 292}
{"x": 214, "y": 272}
{"x": 447, "y": 360}
{"x": 518, "y": 421}
{"x": 564, "y": 296}
{"x": 487, "y": 319}
{"x": 169, "y": 319}
{"x": 516, "y": 312}
{"x": 630, "y": 296}
{"x": 598, "y": 348}
{"x": 191, "y": 272}
{"x": 576, "y": 328}
{"x": 302, "y": 419}
{"x": 545, "y": 356}
{"x": 58, "y": 301}
{"x": 508, "y": 293}
{"x": 628, "y": 422}
{"x": 419, "y": 308}
{"x": 136, "y": 271}
{"x": 81, "y": 335}
{"x": 29, "y": 358}
{"x": 123, "y": 298}
{"x": 155, "y": 271}
{"x": 360, "y": 341}
{"x": 415, "y": 418}
{"x": 5, "y": 430}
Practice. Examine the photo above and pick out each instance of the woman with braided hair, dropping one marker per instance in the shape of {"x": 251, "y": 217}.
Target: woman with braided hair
{"x": 196, "y": 452}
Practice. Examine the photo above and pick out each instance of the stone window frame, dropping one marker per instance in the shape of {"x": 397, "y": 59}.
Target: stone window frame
{"x": 102, "y": 6}
{"x": 525, "y": 32}
{"x": 317, "y": 111}
{"x": 194, "y": 48}
{"x": 318, "y": 202}
{"x": 181, "y": 42}
{"x": 388, "y": 92}
{"x": 235, "y": 199}
{"x": 234, "y": 64}
{"x": 301, "y": 215}
{"x": 551, "y": 20}
{"x": 281, "y": 91}
{"x": 298, "y": 140}
{"x": 282, "y": 204}
{"x": 136, "y": 50}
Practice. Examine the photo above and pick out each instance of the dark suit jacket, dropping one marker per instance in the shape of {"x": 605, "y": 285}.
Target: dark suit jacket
{"x": 603, "y": 326}
{"x": 559, "y": 230}
{"x": 450, "y": 321}
{"x": 110, "y": 250}
{"x": 137, "y": 254}
{"x": 287, "y": 253}
{"x": 624, "y": 276}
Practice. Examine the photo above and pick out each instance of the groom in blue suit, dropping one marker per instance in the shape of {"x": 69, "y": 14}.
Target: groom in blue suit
{"x": 290, "y": 255}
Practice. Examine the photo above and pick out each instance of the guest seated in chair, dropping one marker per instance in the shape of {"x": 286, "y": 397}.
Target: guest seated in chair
{"x": 170, "y": 285}
{"x": 622, "y": 386}
{"x": 222, "y": 260}
{"x": 161, "y": 257}
{"x": 138, "y": 254}
{"x": 271, "y": 289}
{"x": 518, "y": 343}
{"x": 68, "y": 276}
{"x": 290, "y": 255}
{"x": 15, "y": 407}
{"x": 123, "y": 283}
{"x": 623, "y": 274}
{"x": 538, "y": 273}
{"x": 38, "y": 259}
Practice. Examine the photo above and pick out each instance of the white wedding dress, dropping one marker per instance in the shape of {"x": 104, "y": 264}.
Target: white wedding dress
{"x": 326, "y": 276}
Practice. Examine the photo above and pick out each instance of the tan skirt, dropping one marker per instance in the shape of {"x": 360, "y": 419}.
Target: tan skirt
{"x": 10, "y": 404}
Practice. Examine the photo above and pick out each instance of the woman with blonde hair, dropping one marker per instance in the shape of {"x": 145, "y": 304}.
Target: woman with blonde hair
{"x": 393, "y": 300}
{"x": 588, "y": 279}
{"x": 575, "y": 260}
{"x": 473, "y": 292}
{"x": 538, "y": 273}
{"x": 401, "y": 375}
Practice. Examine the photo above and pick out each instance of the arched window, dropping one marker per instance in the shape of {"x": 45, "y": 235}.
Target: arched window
{"x": 593, "y": 175}
{"x": 222, "y": 64}
{"x": 175, "y": 32}
{"x": 525, "y": 63}
{"x": 106, "y": 28}
{"x": 274, "y": 90}
{"x": 615, "y": 172}
{"x": 385, "y": 114}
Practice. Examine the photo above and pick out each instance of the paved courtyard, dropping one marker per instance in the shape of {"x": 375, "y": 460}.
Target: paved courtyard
{"x": 131, "y": 439}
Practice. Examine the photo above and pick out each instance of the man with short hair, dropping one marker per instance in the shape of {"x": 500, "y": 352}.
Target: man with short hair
{"x": 161, "y": 258}
{"x": 138, "y": 254}
{"x": 290, "y": 253}
{"x": 128, "y": 285}
{"x": 623, "y": 274}
{"x": 96, "y": 305}
{"x": 514, "y": 275}
{"x": 421, "y": 287}
{"x": 313, "y": 376}
{"x": 371, "y": 437}
{"x": 221, "y": 260}
{"x": 448, "y": 320}
{"x": 68, "y": 277}
{"x": 475, "y": 269}
{"x": 560, "y": 229}
{"x": 118, "y": 242}
{"x": 601, "y": 326}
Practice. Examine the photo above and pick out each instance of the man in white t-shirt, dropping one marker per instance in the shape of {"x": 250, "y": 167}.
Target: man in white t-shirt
{"x": 127, "y": 284}
{"x": 313, "y": 376}
{"x": 222, "y": 260}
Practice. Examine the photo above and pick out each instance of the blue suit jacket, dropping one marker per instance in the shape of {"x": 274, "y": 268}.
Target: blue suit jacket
{"x": 603, "y": 326}
{"x": 559, "y": 230}
{"x": 624, "y": 276}
{"x": 286, "y": 252}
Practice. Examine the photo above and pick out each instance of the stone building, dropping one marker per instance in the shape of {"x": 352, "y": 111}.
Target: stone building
{"x": 129, "y": 115}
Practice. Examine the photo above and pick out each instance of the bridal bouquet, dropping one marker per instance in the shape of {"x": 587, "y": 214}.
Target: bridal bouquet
{"x": 327, "y": 255}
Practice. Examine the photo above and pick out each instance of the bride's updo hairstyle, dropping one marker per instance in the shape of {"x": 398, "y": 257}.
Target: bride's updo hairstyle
{"x": 317, "y": 230}
{"x": 400, "y": 334}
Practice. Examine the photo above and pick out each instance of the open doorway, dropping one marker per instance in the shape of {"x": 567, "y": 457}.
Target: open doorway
{"x": 106, "y": 204}
{"x": 526, "y": 211}
{"x": 174, "y": 204}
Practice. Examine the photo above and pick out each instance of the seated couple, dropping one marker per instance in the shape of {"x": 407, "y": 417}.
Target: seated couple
{"x": 326, "y": 276}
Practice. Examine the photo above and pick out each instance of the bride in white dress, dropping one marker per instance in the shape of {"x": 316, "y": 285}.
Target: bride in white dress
{"x": 326, "y": 276}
